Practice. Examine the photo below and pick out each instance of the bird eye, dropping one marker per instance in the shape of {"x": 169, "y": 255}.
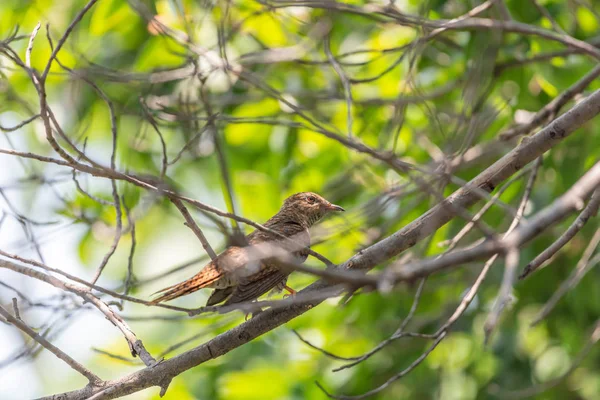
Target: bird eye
{"x": 311, "y": 199}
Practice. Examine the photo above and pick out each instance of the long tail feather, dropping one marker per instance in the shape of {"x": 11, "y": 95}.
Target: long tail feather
{"x": 199, "y": 281}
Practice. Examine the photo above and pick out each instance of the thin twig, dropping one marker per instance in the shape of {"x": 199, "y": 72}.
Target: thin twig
{"x": 542, "y": 387}
{"x": 20, "y": 124}
{"x": 394, "y": 378}
{"x": 345, "y": 83}
{"x": 118, "y": 231}
{"x": 135, "y": 345}
{"x": 16, "y": 308}
{"x": 30, "y": 44}
{"x": 550, "y": 110}
{"x": 396, "y": 335}
{"x": 190, "y": 223}
{"x": 65, "y": 36}
{"x": 583, "y": 266}
{"x": 130, "y": 276}
{"x": 93, "y": 379}
{"x": 512, "y": 259}
{"x": 590, "y": 210}
{"x": 512, "y": 262}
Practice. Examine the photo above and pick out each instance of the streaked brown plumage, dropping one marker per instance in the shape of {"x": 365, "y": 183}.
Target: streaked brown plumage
{"x": 237, "y": 275}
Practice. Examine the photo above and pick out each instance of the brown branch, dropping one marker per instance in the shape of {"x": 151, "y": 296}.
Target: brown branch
{"x": 118, "y": 231}
{"x": 130, "y": 276}
{"x": 345, "y": 83}
{"x": 16, "y": 308}
{"x": 21, "y": 124}
{"x": 469, "y": 226}
{"x": 512, "y": 262}
{"x": 548, "y": 16}
{"x": 313, "y": 346}
{"x": 65, "y": 36}
{"x": 88, "y": 284}
{"x": 519, "y": 62}
{"x": 190, "y": 223}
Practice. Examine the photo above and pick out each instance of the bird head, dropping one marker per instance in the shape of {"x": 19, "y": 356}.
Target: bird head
{"x": 308, "y": 207}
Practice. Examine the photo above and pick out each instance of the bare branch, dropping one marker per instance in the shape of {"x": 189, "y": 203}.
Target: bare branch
{"x": 20, "y": 124}
{"x": 582, "y": 267}
{"x": 16, "y": 308}
{"x": 551, "y": 109}
{"x": 65, "y": 36}
{"x": 558, "y": 210}
{"x": 394, "y": 378}
{"x": 190, "y": 223}
{"x": 345, "y": 82}
{"x": 135, "y": 345}
{"x": 512, "y": 259}
{"x": 542, "y": 387}
{"x": 30, "y": 45}
{"x": 399, "y": 333}
{"x": 512, "y": 262}
{"x": 91, "y": 377}
{"x": 590, "y": 210}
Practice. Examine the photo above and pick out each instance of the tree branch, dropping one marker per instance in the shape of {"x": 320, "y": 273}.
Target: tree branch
{"x": 91, "y": 377}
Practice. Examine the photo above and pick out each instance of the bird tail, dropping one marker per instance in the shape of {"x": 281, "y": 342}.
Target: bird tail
{"x": 203, "y": 279}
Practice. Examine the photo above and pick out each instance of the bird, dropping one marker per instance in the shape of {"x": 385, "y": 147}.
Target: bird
{"x": 243, "y": 273}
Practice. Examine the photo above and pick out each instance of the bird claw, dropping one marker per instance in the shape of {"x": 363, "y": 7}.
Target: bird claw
{"x": 252, "y": 314}
{"x": 291, "y": 291}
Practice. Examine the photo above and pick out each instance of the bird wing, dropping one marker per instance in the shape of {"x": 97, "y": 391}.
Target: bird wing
{"x": 257, "y": 285}
{"x": 233, "y": 268}
{"x": 219, "y": 295}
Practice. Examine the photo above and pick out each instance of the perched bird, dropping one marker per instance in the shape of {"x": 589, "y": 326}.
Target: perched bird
{"x": 242, "y": 274}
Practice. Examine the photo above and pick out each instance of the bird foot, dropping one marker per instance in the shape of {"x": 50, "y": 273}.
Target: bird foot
{"x": 252, "y": 314}
{"x": 291, "y": 291}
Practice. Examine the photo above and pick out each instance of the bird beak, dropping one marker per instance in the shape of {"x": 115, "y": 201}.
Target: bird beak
{"x": 333, "y": 207}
